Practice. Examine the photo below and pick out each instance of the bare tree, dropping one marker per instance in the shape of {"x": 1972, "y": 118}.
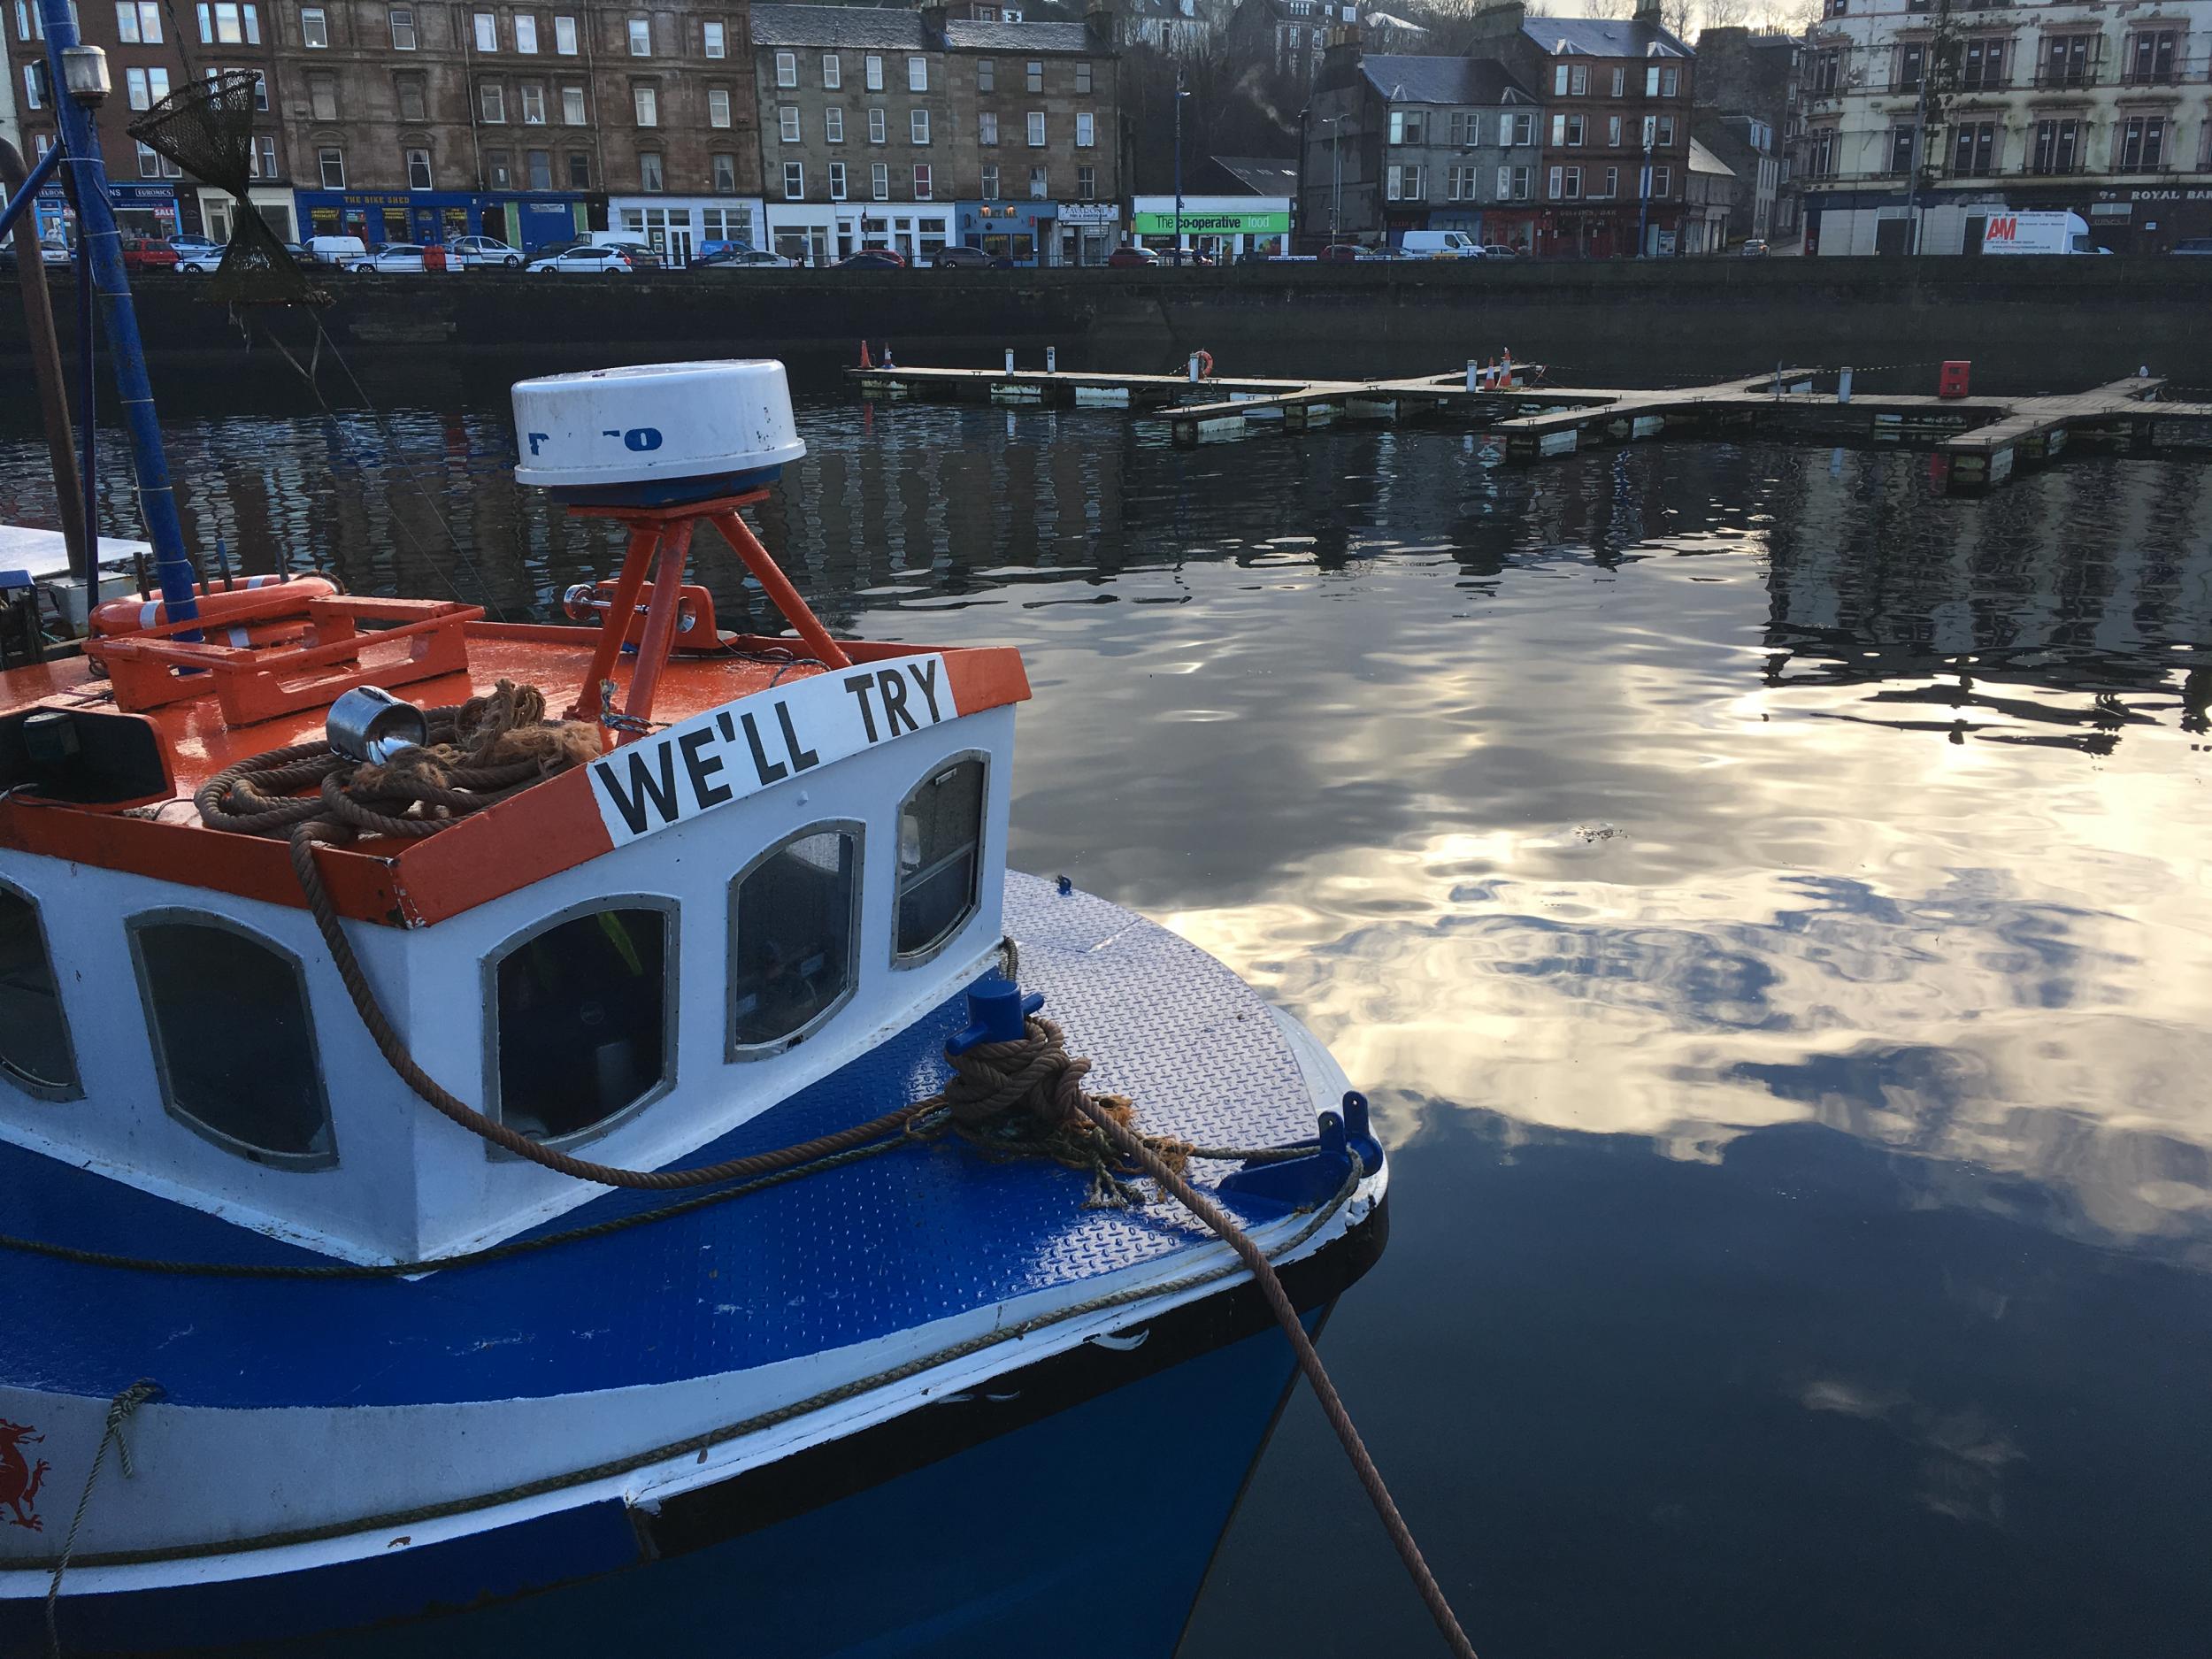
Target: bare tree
{"x": 1677, "y": 16}
{"x": 1727, "y": 14}
{"x": 1617, "y": 11}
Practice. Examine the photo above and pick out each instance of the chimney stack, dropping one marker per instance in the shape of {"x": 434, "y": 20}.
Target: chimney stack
{"x": 1647, "y": 11}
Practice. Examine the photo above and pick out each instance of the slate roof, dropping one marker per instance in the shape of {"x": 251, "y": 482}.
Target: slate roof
{"x": 1262, "y": 175}
{"x": 1603, "y": 37}
{"x": 965, "y": 34}
{"x": 839, "y": 26}
{"x": 1405, "y": 80}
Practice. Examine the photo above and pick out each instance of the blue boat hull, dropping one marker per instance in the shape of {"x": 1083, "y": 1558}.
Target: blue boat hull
{"x": 1073, "y": 1509}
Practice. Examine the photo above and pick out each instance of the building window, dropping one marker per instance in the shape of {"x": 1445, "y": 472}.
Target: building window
{"x": 1034, "y": 76}
{"x": 1912, "y": 66}
{"x": 526, "y": 35}
{"x": 832, "y": 126}
{"x": 402, "y": 20}
{"x": 1575, "y": 128}
{"x": 564, "y": 36}
{"x": 492, "y": 101}
{"x": 832, "y": 72}
{"x": 788, "y": 124}
{"x": 264, "y": 157}
{"x": 641, "y": 37}
{"x": 918, "y": 126}
{"x": 138, "y": 22}
{"x": 1612, "y": 182}
{"x": 1665, "y": 132}
{"x": 322, "y": 97}
{"x": 723, "y": 168}
{"x": 787, "y": 69}
{"x": 234, "y": 1044}
{"x": 487, "y": 32}
{"x": 921, "y": 181}
{"x": 794, "y": 180}
{"x": 146, "y": 87}
{"x": 1039, "y": 187}
{"x": 1036, "y": 129}
{"x": 331, "y": 162}
{"x": 879, "y": 180}
{"x": 1822, "y": 159}
{"x": 990, "y": 181}
{"x": 1087, "y": 184}
{"x": 579, "y": 170}
{"x": 571, "y": 106}
{"x": 877, "y": 128}
{"x": 2067, "y": 62}
{"x": 837, "y": 181}
{"x": 419, "y": 170}
{"x": 410, "y": 95}
{"x": 1523, "y": 128}
{"x": 1982, "y": 66}
{"x": 985, "y": 75}
{"x": 1613, "y": 131}
{"x": 1620, "y": 83}
{"x": 1900, "y": 149}
{"x": 873, "y": 67}
{"x": 714, "y": 39}
{"x": 533, "y": 103}
{"x": 1557, "y": 175}
{"x": 1974, "y": 148}
{"x": 918, "y": 75}
{"x": 34, "y": 77}
{"x": 2142, "y": 143}
{"x": 2058, "y": 146}
{"x": 1670, "y": 83}
{"x": 583, "y": 1023}
{"x": 651, "y": 177}
{"x": 1559, "y": 81}
{"x": 940, "y": 859}
{"x": 314, "y": 27}
{"x": 1578, "y": 81}
{"x": 646, "y": 103}
{"x": 538, "y": 166}
{"x": 499, "y": 168}
{"x": 986, "y": 127}
{"x": 1083, "y": 76}
{"x": 718, "y": 106}
{"x": 1085, "y": 128}
{"x": 2151, "y": 57}
{"x": 1661, "y": 181}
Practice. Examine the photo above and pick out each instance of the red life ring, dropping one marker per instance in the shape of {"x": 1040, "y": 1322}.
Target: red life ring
{"x": 1205, "y": 363}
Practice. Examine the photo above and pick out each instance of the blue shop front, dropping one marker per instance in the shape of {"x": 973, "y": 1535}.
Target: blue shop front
{"x": 1019, "y": 231}
{"x": 526, "y": 221}
{"x": 141, "y": 209}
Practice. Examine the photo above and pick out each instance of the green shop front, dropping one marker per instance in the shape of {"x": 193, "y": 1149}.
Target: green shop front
{"x": 1222, "y": 226}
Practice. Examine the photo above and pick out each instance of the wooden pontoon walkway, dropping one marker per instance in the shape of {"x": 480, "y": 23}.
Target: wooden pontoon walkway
{"x": 1982, "y": 438}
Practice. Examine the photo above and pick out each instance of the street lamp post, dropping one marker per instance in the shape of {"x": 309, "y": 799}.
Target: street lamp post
{"x": 1643, "y": 206}
{"x": 1336, "y": 163}
{"x": 1180, "y": 95}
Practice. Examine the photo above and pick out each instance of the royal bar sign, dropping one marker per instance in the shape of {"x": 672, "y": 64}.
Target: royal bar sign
{"x": 768, "y": 738}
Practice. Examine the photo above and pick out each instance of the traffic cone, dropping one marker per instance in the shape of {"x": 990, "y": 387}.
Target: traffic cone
{"x": 863, "y": 356}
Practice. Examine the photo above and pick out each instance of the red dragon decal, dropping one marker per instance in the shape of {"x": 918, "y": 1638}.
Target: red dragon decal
{"x": 19, "y": 1480}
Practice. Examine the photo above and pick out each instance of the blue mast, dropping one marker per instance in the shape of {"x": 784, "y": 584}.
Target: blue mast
{"x": 100, "y": 262}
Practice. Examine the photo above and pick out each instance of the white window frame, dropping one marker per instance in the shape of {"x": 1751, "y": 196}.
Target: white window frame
{"x": 837, "y": 177}
{"x": 1086, "y": 130}
{"x": 645, "y": 104}
{"x": 526, "y": 27}
{"x": 788, "y": 124}
{"x": 832, "y": 72}
{"x": 833, "y": 126}
{"x": 918, "y": 126}
{"x": 486, "y": 27}
{"x": 787, "y": 69}
{"x": 918, "y": 75}
{"x": 879, "y": 180}
{"x": 639, "y": 33}
{"x": 718, "y": 106}
{"x": 1036, "y": 124}
{"x": 314, "y": 35}
{"x": 564, "y": 36}
{"x": 794, "y": 181}
{"x": 872, "y": 72}
{"x": 714, "y": 38}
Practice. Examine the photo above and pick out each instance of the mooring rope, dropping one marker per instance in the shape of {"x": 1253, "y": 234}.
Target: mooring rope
{"x": 120, "y": 1411}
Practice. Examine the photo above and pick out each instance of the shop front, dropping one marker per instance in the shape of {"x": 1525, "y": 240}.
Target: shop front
{"x": 141, "y": 209}
{"x": 378, "y": 217}
{"x": 1020, "y": 231}
{"x": 1221, "y": 225}
{"x": 681, "y": 227}
{"x": 823, "y": 233}
{"x": 1088, "y": 232}
{"x": 276, "y": 205}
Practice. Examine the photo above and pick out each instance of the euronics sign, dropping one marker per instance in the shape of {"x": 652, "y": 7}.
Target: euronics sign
{"x": 1215, "y": 224}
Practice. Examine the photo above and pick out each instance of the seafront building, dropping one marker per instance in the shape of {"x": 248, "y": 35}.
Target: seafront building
{"x": 1940, "y": 115}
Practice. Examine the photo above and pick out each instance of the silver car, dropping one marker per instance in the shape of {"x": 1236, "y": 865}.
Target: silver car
{"x": 392, "y": 256}
{"x": 484, "y": 250}
{"x": 584, "y": 259}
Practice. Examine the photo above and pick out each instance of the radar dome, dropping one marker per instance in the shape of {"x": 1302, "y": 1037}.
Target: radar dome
{"x": 656, "y": 435}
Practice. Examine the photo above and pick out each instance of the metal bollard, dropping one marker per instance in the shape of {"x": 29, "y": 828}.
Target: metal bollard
{"x": 1009, "y": 360}
{"x": 1473, "y": 373}
{"x": 1052, "y": 359}
{"x": 1193, "y": 368}
{"x": 1843, "y": 386}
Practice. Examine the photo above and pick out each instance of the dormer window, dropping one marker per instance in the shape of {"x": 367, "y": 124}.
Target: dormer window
{"x": 35, "y": 1051}
{"x": 794, "y": 929}
{"x": 234, "y": 1044}
{"x": 583, "y": 1018}
{"x": 940, "y": 847}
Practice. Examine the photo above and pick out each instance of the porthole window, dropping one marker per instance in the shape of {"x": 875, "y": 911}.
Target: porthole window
{"x": 35, "y": 1052}
{"x": 233, "y": 1040}
{"x": 583, "y": 1027}
{"x": 795, "y": 916}
{"x": 940, "y": 846}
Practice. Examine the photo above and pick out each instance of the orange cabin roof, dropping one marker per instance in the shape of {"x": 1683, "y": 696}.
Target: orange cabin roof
{"x": 550, "y": 828}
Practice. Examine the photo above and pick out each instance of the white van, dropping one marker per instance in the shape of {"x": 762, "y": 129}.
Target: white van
{"x": 339, "y": 250}
{"x": 2037, "y": 233}
{"x": 1439, "y": 244}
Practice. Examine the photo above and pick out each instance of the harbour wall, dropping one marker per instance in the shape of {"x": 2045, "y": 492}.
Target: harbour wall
{"x": 2027, "y": 324}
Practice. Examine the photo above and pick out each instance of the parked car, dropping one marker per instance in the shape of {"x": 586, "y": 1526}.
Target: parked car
{"x": 48, "y": 253}
{"x": 200, "y": 260}
{"x": 872, "y": 260}
{"x": 301, "y": 254}
{"x": 148, "y": 253}
{"x": 187, "y": 246}
{"x": 469, "y": 252}
{"x": 2192, "y": 244}
{"x": 399, "y": 256}
{"x": 584, "y": 259}
{"x": 961, "y": 259}
{"x": 1124, "y": 259}
{"x": 643, "y": 255}
{"x": 338, "y": 250}
{"x": 1341, "y": 253}
{"x": 1754, "y": 248}
{"x": 1500, "y": 250}
{"x": 728, "y": 257}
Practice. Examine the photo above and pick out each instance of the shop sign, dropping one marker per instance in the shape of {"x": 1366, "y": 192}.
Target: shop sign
{"x": 1089, "y": 213}
{"x": 1254, "y": 224}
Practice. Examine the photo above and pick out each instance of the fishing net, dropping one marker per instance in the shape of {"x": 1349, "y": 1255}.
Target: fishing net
{"x": 206, "y": 127}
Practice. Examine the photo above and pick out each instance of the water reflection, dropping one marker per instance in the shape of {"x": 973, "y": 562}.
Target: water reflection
{"x": 1758, "y": 809}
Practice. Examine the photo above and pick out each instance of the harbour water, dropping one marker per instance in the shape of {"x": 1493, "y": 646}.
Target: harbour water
{"x": 1766, "y": 898}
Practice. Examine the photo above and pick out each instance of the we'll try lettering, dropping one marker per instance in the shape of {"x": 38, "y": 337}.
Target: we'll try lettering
{"x": 764, "y": 739}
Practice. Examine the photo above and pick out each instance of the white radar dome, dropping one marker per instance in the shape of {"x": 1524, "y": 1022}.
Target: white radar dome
{"x": 657, "y": 433}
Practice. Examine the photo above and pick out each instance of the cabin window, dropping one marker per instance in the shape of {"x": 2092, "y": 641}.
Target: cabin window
{"x": 795, "y": 918}
{"x": 583, "y": 1027}
{"x": 233, "y": 1043}
{"x": 34, "y": 1050}
{"x": 940, "y": 848}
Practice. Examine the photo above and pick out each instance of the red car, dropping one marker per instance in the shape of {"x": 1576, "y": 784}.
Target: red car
{"x": 872, "y": 260}
{"x": 148, "y": 253}
{"x": 1126, "y": 258}
{"x": 1341, "y": 253}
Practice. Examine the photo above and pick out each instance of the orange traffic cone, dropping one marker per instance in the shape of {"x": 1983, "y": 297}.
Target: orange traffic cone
{"x": 863, "y": 356}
